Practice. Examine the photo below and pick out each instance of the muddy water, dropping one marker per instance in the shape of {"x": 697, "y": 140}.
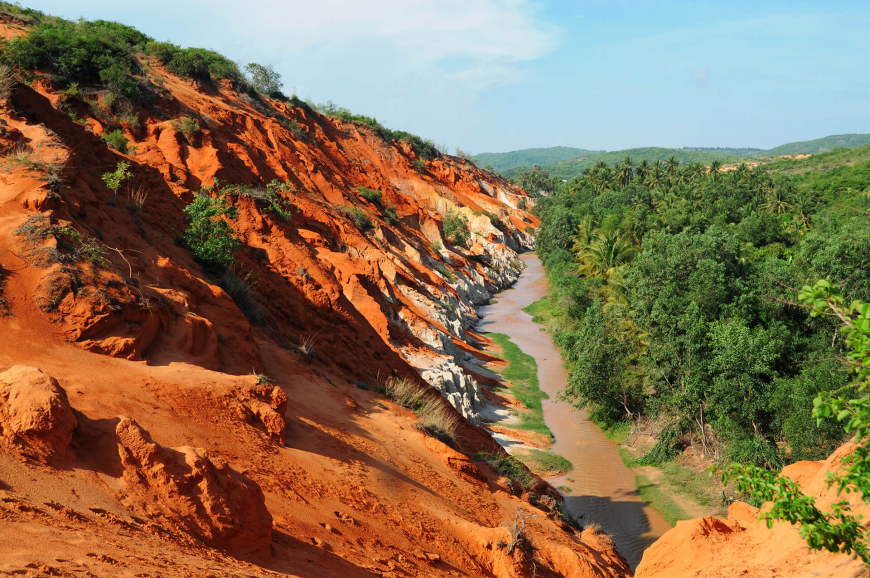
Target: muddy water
{"x": 602, "y": 489}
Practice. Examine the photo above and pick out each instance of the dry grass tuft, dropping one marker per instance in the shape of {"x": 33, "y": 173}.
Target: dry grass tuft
{"x": 436, "y": 419}
{"x": 7, "y": 82}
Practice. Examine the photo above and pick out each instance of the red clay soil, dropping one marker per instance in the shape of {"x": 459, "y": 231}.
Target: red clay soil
{"x": 136, "y": 438}
{"x": 742, "y": 545}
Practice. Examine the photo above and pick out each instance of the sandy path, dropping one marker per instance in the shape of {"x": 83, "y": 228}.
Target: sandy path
{"x": 603, "y": 489}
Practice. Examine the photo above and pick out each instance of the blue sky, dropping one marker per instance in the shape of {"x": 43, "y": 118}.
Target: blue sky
{"x": 500, "y": 75}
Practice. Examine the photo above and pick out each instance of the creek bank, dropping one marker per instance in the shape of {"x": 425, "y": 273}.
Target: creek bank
{"x": 600, "y": 489}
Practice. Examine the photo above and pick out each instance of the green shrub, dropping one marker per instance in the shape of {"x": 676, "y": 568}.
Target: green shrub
{"x": 117, "y": 140}
{"x": 456, "y": 228}
{"x": 436, "y": 246}
{"x": 358, "y": 216}
{"x": 509, "y": 467}
{"x": 162, "y": 51}
{"x": 418, "y": 166}
{"x": 115, "y": 179}
{"x": 208, "y": 235}
{"x": 370, "y": 195}
{"x": 264, "y": 79}
{"x": 390, "y": 215}
{"x": 91, "y": 52}
{"x": 189, "y": 127}
{"x": 521, "y": 204}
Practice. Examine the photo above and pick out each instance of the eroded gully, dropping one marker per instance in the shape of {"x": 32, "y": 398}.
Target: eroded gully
{"x": 602, "y": 487}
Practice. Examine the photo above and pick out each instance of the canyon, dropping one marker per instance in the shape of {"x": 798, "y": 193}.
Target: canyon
{"x": 161, "y": 419}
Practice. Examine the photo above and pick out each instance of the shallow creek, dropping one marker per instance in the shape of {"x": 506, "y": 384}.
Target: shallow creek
{"x": 602, "y": 489}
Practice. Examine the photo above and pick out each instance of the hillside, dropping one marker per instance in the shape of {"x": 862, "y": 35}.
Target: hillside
{"x": 570, "y": 167}
{"x": 211, "y": 297}
{"x": 529, "y": 157}
{"x": 819, "y": 145}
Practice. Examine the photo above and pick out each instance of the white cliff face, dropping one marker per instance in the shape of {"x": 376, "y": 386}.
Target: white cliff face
{"x": 460, "y": 389}
{"x": 456, "y": 313}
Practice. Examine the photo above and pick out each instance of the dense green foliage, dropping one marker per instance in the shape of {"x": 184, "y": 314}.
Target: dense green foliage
{"x": 208, "y": 235}
{"x": 456, "y": 228}
{"x": 835, "y": 528}
{"x": 671, "y": 298}
{"x": 529, "y": 157}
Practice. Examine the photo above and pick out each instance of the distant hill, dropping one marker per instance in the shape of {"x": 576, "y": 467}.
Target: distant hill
{"x": 569, "y": 167}
{"x": 529, "y": 157}
{"x": 820, "y": 145}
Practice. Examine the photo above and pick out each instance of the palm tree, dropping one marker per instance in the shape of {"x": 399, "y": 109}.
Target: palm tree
{"x": 715, "y": 167}
{"x": 654, "y": 178}
{"x": 779, "y": 199}
{"x": 624, "y": 172}
{"x": 642, "y": 169}
{"x": 605, "y": 255}
{"x": 604, "y": 178}
{"x": 672, "y": 165}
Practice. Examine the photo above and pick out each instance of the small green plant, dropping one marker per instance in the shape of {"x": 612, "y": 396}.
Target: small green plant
{"x": 456, "y": 227}
{"x": 208, "y": 236}
{"x": 278, "y": 205}
{"x": 357, "y": 216}
{"x": 189, "y": 127}
{"x": 263, "y": 379}
{"x": 370, "y": 195}
{"x": 447, "y": 274}
{"x": 117, "y": 140}
{"x": 390, "y": 215}
{"x": 522, "y": 204}
{"x": 509, "y": 467}
{"x": 436, "y": 246}
{"x": 418, "y": 166}
{"x": 115, "y": 179}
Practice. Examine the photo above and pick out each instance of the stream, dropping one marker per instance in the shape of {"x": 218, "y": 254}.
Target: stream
{"x": 603, "y": 489}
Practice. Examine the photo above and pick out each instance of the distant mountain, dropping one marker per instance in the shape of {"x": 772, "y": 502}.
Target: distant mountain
{"x": 529, "y": 157}
{"x": 820, "y": 145}
{"x": 571, "y": 166}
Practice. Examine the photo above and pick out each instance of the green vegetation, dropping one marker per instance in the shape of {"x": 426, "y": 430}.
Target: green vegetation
{"x": 456, "y": 228}
{"x": 390, "y": 215}
{"x": 835, "y": 528}
{"x": 208, "y": 235}
{"x": 424, "y": 148}
{"x": 115, "y": 179}
{"x": 117, "y": 140}
{"x": 436, "y": 419}
{"x": 264, "y": 79}
{"x": 522, "y": 374}
{"x": 529, "y": 157}
{"x": 509, "y": 467}
{"x": 357, "y": 216}
{"x": 658, "y": 499}
{"x": 370, "y": 195}
{"x": 198, "y": 64}
{"x": 546, "y": 462}
{"x": 540, "y": 310}
{"x": 671, "y": 300}
{"x": 570, "y": 167}
{"x": 189, "y": 127}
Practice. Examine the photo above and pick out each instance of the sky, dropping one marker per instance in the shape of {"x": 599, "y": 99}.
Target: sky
{"x": 501, "y": 75}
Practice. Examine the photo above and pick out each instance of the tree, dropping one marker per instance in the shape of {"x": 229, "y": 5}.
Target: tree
{"x": 115, "y": 179}
{"x": 672, "y": 164}
{"x": 835, "y": 528}
{"x": 208, "y": 236}
{"x": 264, "y": 79}
{"x": 456, "y": 227}
{"x": 537, "y": 181}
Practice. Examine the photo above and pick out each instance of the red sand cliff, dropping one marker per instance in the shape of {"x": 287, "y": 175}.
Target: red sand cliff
{"x": 135, "y": 439}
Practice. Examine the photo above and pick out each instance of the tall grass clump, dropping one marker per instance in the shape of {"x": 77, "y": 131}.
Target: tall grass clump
{"x": 436, "y": 419}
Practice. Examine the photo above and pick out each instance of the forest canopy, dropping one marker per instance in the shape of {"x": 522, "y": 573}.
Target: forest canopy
{"x": 675, "y": 297}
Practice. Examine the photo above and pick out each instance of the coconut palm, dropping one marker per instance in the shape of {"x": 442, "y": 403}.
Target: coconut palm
{"x": 715, "y": 167}
{"x": 672, "y": 165}
{"x": 779, "y": 199}
{"x": 606, "y": 254}
{"x": 624, "y": 173}
{"x": 642, "y": 169}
